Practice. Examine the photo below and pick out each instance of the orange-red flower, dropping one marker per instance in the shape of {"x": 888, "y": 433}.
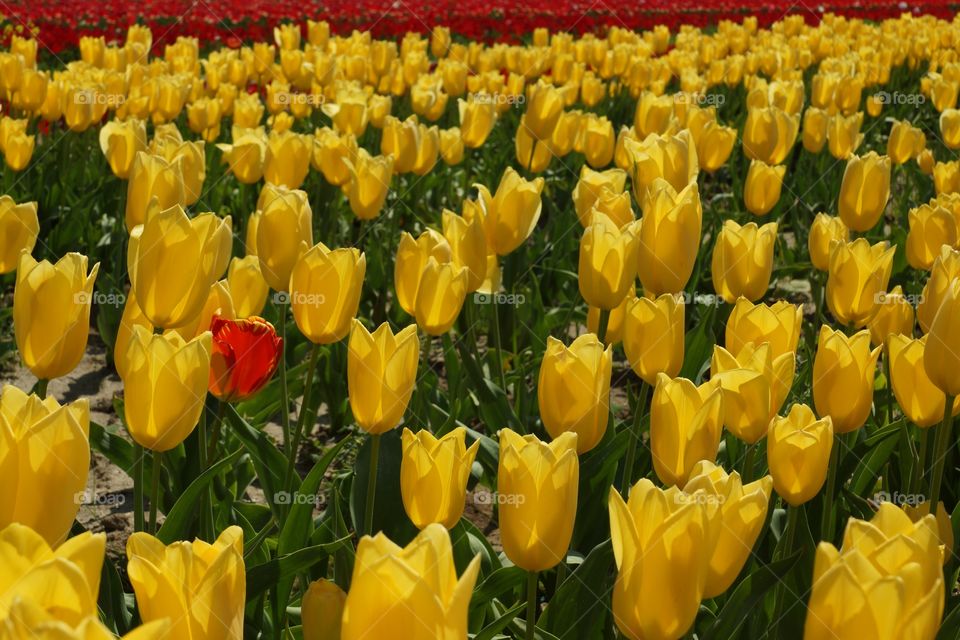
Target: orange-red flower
{"x": 245, "y": 354}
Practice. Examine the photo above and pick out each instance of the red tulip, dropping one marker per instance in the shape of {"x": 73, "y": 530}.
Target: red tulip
{"x": 245, "y": 354}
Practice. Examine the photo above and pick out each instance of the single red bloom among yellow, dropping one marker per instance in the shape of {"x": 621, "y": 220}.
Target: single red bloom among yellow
{"x": 245, "y": 355}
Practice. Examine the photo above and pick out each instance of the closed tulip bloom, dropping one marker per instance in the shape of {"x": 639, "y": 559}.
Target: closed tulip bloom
{"x": 440, "y": 296}
{"x": 686, "y": 422}
{"x": 762, "y": 189}
{"x": 19, "y": 228}
{"x": 512, "y": 212}
{"x": 926, "y": 161}
{"x": 451, "y": 146}
{"x": 743, "y": 260}
{"x": 325, "y": 288}
{"x": 754, "y": 387}
{"x": 18, "y": 151}
{"x": 477, "y": 117}
{"x": 941, "y": 358}
{"x": 219, "y": 302}
{"x": 200, "y": 587}
{"x": 843, "y": 374}
{"x": 321, "y": 610}
{"x": 769, "y": 134}
{"x": 248, "y": 289}
{"x": 51, "y": 313}
{"x": 779, "y": 324}
{"x": 284, "y": 231}
{"x": 608, "y": 259}
{"x": 741, "y": 511}
{"x": 192, "y": 159}
{"x": 669, "y": 238}
{"x": 244, "y": 355}
{"x": 858, "y": 275}
{"x": 843, "y": 135}
{"x": 428, "y": 148}
{"x": 434, "y": 474}
{"x": 164, "y": 385}
{"x": 946, "y": 177}
{"x": 332, "y": 155}
{"x": 369, "y": 184}
{"x": 591, "y": 186}
{"x": 652, "y": 114}
{"x": 950, "y": 128}
{"x": 173, "y": 261}
{"x": 919, "y": 511}
{"x": 921, "y": 401}
{"x": 653, "y": 336}
{"x": 151, "y": 177}
{"x": 468, "y": 242}
{"x": 906, "y": 141}
{"x": 931, "y": 227}
{"x": 540, "y": 483}
{"x": 673, "y": 158}
{"x": 945, "y": 268}
{"x": 544, "y": 109}
{"x": 893, "y": 315}
{"x": 798, "y": 454}
{"x": 381, "y": 374}
{"x": 714, "y": 146}
{"x": 823, "y": 232}
{"x": 574, "y": 389}
{"x": 864, "y": 191}
{"x": 287, "y": 158}
{"x": 598, "y": 142}
{"x": 401, "y": 140}
{"x": 815, "y": 123}
{"x": 247, "y": 154}
{"x": 411, "y": 260}
{"x": 663, "y": 542}
{"x": 120, "y": 142}
{"x": 413, "y": 588}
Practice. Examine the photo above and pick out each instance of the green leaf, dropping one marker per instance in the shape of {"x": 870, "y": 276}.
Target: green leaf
{"x": 579, "y": 609}
{"x": 491, "y": 630}
{"x": 496, "y": 584}
{"x": 263, "y": 576}
{"x": 176, "y": 525}
{"x": 388, "y": 512}
{"x": 869, "y": 468}
{"x": 113, "y": 446}
{"x": 267, "y": 459}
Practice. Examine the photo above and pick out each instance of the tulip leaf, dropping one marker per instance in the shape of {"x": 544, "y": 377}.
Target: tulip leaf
{"x": 493, "y": 629}
{"x": 264, "y": 576}
{"x": 950, "y": 627}
{"x": 181, "y": 515}
{"x": 870, "y": 466}
{"x": 388, "y": 513}
{"x": 267, "y": 459}
{"x": 579, "y": 609}
{"x": 113, "y": 446}
{"x": 496, "y": 584}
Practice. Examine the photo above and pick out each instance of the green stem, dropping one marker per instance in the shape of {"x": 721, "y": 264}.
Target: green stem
{"x": 790, "y": 534}
{"x": 828, "y": 515}
{"x": 602, "y": 326}
{"x": 921, "y": 460}
{"x": 498, "y": 345}
{"x": 42, "y": 388}
{"x": 748, "y": 462}
{"x": 206, "y": 500}
{"x": 643, "y": 391}
{"x": 302, "y": 417}
{"x": 561, "y": 574}
{"x": 371, "y": 483}
{"x": 531, "y": 604}
{"x": 215, "y": 435}
{"x": 155, "y": 490}
{"x": 941, "y": 446}
{"x": 138, "y": 487}
{"x": 284, "y": 392}
{"x": 889, "y": 384}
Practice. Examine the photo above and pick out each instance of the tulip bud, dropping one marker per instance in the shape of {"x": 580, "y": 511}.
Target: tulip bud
{"x": 858, "y": 276}
{"x": 762, "y": 189}
{"x": 931, "y": 227}
{"x": 477, "y": 117}
{"x": 949, "y": 128}
{"x": 284, "y": 231}
{"x": 287, "y": 159}
{"x": 532, "y": 154}
{"x": 798, "y": 454}
{"x": 248, "y": 289}
{"x": 322, "y": 610}
{"x": 673, "y": 158}
{"x": 755, "y": 386}
{"x": 669, "y": 238}
{"x": 893, "y": 315}
{"x": 843, "y": 374}
{"x": 598, "y": 142}
{"x": 815, "y": 123}
{"x": 411, "y": 259}
{"x": 714, "y": 146}
{"x": 325, "y": 288}
{"x": 769, "y": 134}
{"x": 192, "y": 159}
{"x": 543, "y": 111}
{"x": 153, "y": 177}
{"x": 926, "y": 162}
{"x": 468, "y": 242}
{"x": 608, "y": 259}
{"x": 906, "y": 141}
{"x": 247, "y": 154}
{"x": 843, "y": 135}
{"x": 440, "y": 295}
{"x": 779, "y": 324}
{"x": 512, "y": 213}
{"x": 121, "y": 142}
{"x": 942, "y": 357}
{"x": 652, "y": 114}
{"x": 945, "y": 268}
{"x": 19, "y": 228}
{"x": 823, "y": 232}
{"x": 433, "y": 476}
{"x": 539, "y": 482}
{"x": 946, "y": 177}
{"x": 18, "y": 150}
{"x": 333, "y": 154}
{"x": 864, "y": 191}
{"x": 369, "y": 183}
{"x": 381, "y": 374}
{"x": 591, "y": 186}
{"x": 921, "y": 401}
{"x": 653, "y": 336}
{"x": 743, "y": 260}
{"x": 451, "y": 146}
{"x": 686, "y": 422}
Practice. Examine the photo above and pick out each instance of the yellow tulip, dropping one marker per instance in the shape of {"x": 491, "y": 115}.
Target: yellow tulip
{"x": 287, "y": 159}
{"x": 468, "y": 242}
{"x": 652, "y": 114}
{"x": 931, "y": 227}
{"x": 152, "y": 177}
{"x": 537, "y": 486}
{"x": 608, "y": 261}
{"x": 858, "y": 276}
{"x": 120, "y": 142}
{"x": 945, "y": 268}
{"x": 946, "y": 177}
{"x": 843, "y": 374}
{"x": 798, "y": 454}
{"x": 248, "y": 289}
{"x": 598, "y": 142}
{"x": 754, "y": 385}
{"x": 950, "y": 128}
{"x": 512, "y": 213}
{"x": 198, "y": 586}
{"x": 714, "y": 146}
{"x": 673, "y": 158}
{"x": 918, "y": 512}
{"x": 843, "y": 135}
{"x": 381, "y": 374}
{"x": 906, "y": 141}
{"x": 284, "y": 232}
{"x": 369, "y": 183}
{"x": 544, "y": 108}
{"x": 192, "y": 160}
{"x": 663, "y": 542}
{"x": 864, "y": 191}
{"x": 165, "y": 382}
{"x": 51, "y": 313}
{"x": 451, "y": 146}
{"x": 413, "y": 588}
{"x": 921, "y": 401}
{"x": 769, "y": 134}
{"x": 779, "y": 324}
{"x": 741, "y": 511}
{"x": 332, "y": 155}
{"x": 815, "y": 122}
{"x": 19, "y": 228}
{"x": 18, "y": 151}
{"x": 685, "y": 426}
{"x": 440, "y": 296}
{"x": 669, "y": 237}
{"x": 401, "y": 140}
{"x": 942, "y": 357}
{"x": 28, "y": 620}
{"x": 823, "y": 232}
{"x": 477, "y": 117}
{"x": 325, "y": 289}
{"x": 591, "y": 186}
{"x": 411, "y": 260}
{"x": 926, "y": 161}
{"x": 743, "y": 260}
{"x": 428, "y": 148}
{"x": 321, "y": 610}
{"x": 762, "y": 188}
{"x": 173, "y": 261}
{"x": 247, "y": 154}
{"x": 433, "y": 476}
{"x": 350, "y": 113}
{"x": 893, "y": 315}
{"x": 653, "y": 336}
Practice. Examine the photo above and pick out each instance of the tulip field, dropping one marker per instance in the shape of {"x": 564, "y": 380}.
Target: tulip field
{"x": 368, "y": 321}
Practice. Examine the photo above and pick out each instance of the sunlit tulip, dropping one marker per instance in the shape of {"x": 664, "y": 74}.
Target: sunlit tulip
{"x": 51, "y": 313}
{"x": 165, "y": 382}
{"x": 762, "y": 188}
{"x": 477, "y": 117}
{"x": 468, "y": 242}
{"x": 428, "y": 148}
{"x": 893, "y": 315}
{"x": 946, "y": 177}
{"x": 381, "y": 374}
{"x": 247, "y": 287}
{"x": 533, "y": 154}
{"x": 945, "y": 268}
{"x": 743, "y": 260}
{"x": 652, "y": 114}
{"x": 864, "y": 191}
{"x": 769, "y": 134}
{"x": 744, "y": 401}
{"x": 200, "y": 587}
{"x": 322, "y": 610}
{"x": 192, "y": 159}
{"x": 369, "y": 184}
{"x": 401, "y": 140}
{"x": 798, "y": 453}
{"x": 673, "y": 158}
{"x": 950, "y": 128}
{"x": 608, "y": 259}
{"x": 815, "y": 122}
{"x": 663, "y": 541}
{"x": 823, "y": 232}
{"x": 414, "y": 588}
{"x": 685, "y": 426}
{"x": 669, "y": 238}
{"x": 544, "y": 107}
{"x": 653, "y": 336}
{"x": 512, "y": 212}
{"x": 246, "y": 156}
{"x": 598, "y": 142}
{"x": 714, "y": 146}
{"x": 537, "y": 484}
{"x": 857, "y": 277}
{"x": 451, "y": 146}
{"x": 440, "y": 296}
{"x": 741, "y": 510}
{"x": 921, "y": 401}
{"x": 411, "y": 260}
{"x": 151, "y": 177}
{"x": 905, "y": 142}
{"x": 779, "y": 324}
{"x": 434, "y": 474}
{"x": 244, "y": 355}
{"x": 931, "y": 227}
{"x": 120, "y": 142}
{"x": 941, "y": 358}
{"x": 918, "y": 512}
{"x": 332, "y": 155}
{"x": 287, "y": 159}
{"x": 591, "y": 186}
{"x": 843, "y": 374}
{"x": 926, "y": 161}
{"x": 284, "y": 232}
{"x": 18, "y": 151}
{"x": 325, "y": 287}
{"x": 19, "y": 228}
{"x": 843, "y": 135}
